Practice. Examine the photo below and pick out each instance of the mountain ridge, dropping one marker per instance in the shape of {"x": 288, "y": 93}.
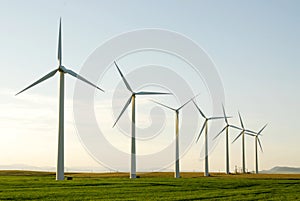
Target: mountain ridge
{"x": 282, "y": 170}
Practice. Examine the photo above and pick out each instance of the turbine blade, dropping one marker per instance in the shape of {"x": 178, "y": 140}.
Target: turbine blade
{"x": 80, "y": 78}
{"x": 40, "y": 80}
{"x": 260, "y": 144}
{"x": 151, "y": 93}
{"x": 184, "y": 104}
{"x": 201, "y": 131}
{"x": 188, "y": 101}
{"x": 213, "y": 118}
{"x": 163, "y": 105}
{"x": 241, "y": 120}
{"x": 195, "y": 96}
{"x": 220, "y": 133}
{"x": 123, "y": 78}
{"x": 232, "y": 126}
{"x": 123, "y": 110}
{"x": 59, "y": 49}
{"x": 237, "y": 137}
{"x": 199, "y": 110}
{"x": 224, "y": 114}
{"x": 251, "y": 134}
{"x": 259, "y": 132}
{"x": 249, "y": 131}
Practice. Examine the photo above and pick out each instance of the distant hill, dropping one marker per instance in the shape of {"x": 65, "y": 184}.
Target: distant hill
{"x": 282, "y": 170}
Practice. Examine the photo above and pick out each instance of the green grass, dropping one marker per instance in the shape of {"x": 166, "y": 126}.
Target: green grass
{"x": 16, "y": 185}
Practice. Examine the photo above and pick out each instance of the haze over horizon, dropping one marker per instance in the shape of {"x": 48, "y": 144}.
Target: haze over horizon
{"x": 254, "y": 45}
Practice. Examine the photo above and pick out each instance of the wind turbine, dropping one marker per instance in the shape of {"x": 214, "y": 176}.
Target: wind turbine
{"x": 257, "y": 140}
{"x": 205, "y": 125}
{"x": 132, "y": 99}
{"x": 226, "y": 128}
{"x": 243, "y": 141}
{"x": 62, "y": 70}
{"x": 176, "y": 110}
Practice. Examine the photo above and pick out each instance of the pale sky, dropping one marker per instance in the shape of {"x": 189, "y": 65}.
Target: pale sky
{"x": 255, "y": 46}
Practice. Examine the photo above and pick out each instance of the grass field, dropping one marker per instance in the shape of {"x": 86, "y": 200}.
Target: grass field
{"x": 26, "y": 185}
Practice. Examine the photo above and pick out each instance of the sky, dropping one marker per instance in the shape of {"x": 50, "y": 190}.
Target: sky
{"x": 254, "y": 46}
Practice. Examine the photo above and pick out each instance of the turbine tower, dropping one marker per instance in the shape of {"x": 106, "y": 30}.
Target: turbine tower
{"x": 132, "y": 99}
{"x": 205, "y": 126}
{"x": 257, "y": 141}
{"x": 62, "y": 70}
{"x": 243, "y": 142}
{"x": 176, "y": 110}
{"x": 226, "y": 128}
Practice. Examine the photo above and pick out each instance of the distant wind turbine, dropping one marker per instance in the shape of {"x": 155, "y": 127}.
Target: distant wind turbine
{"x": 243, "y": 142}
{"x": 226, "y": 128}
{"x": 176, "y": 110}
{"x": 62, "y": 70}
{"x": 257, "y": 140}
{"x": 205, "y": 125}
{"x": 132, "y": 99}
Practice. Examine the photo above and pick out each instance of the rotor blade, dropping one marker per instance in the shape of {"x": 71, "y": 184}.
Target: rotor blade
{"x": 249, "y": 131}
{"x": 220, "y": 133}
{"x": 123, "y": 78}
{"x": 188, "y": 101}
{"x": 259, "y": 132}
{"x": 260, "y": 144}
{"x": 163, "y": 105}
{"x": 196, "y": 96}
{"x": 224, "y": 114}
{"x": 123, "y": 110}
{"x": 59, "y": 51}
{"x": 151, "y": 93}
{"x": 241, "y": 120}
{"x": 213, "y": 118}
{"x": 40, "y": 80}
{"x": 237, "y": 137}
{"x": 232, "y": 126}
{"x": 184, "y": 104}
{"x": 199, "y": 110}
{"x": 251, "y": 134}
{"x": 81, "y": 78}
{"x": 201, "y": 131}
